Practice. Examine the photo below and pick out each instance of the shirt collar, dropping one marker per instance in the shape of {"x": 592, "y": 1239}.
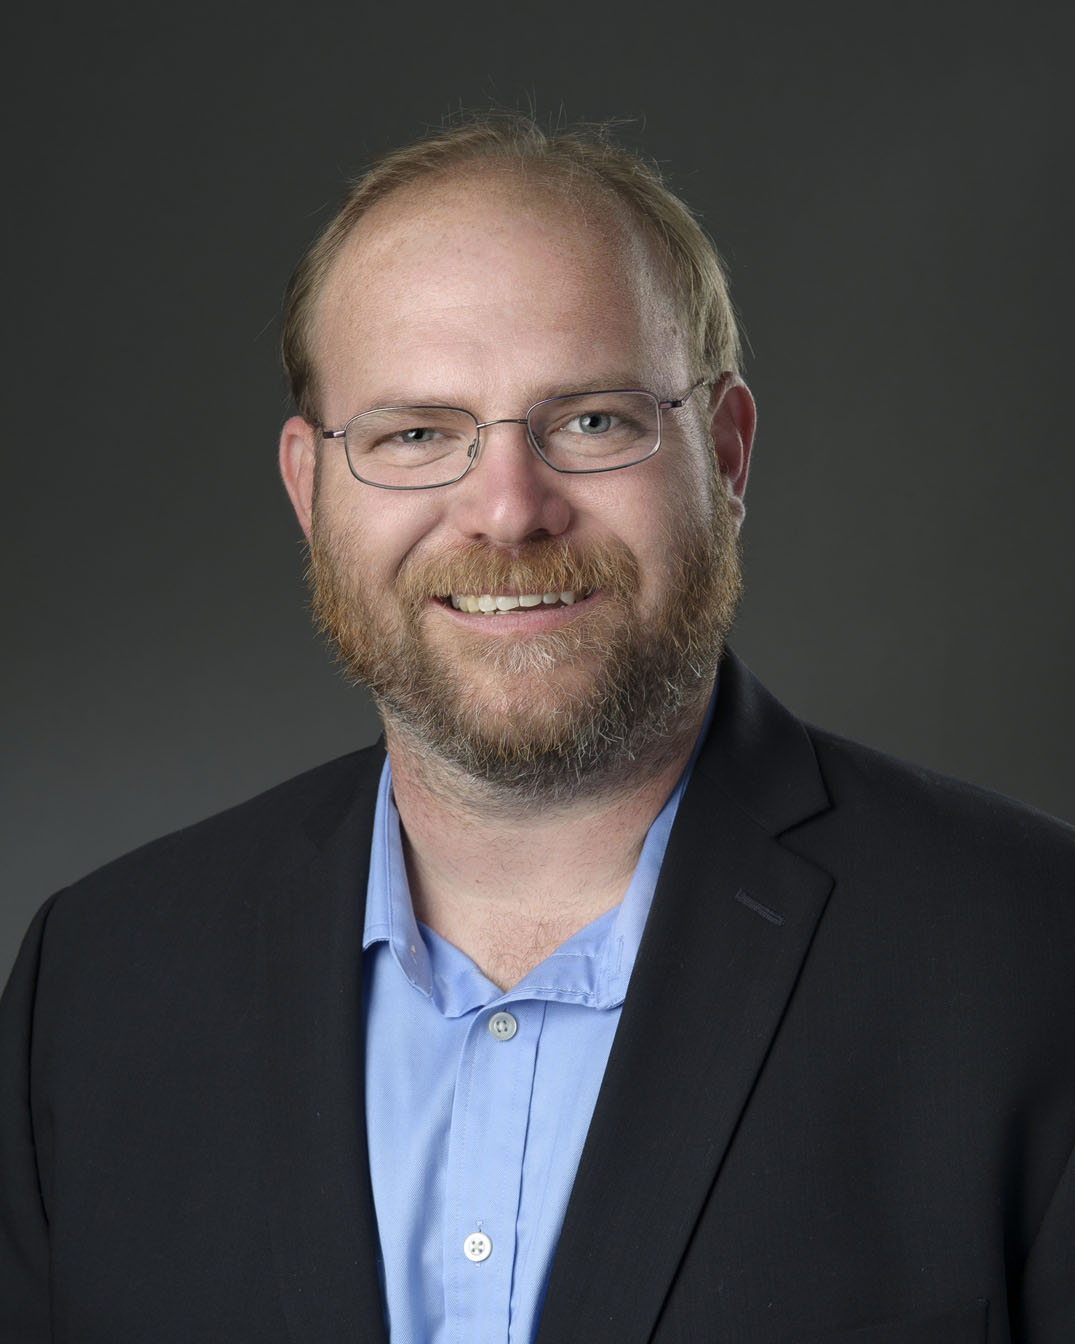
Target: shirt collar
{"x": 389, "y": 913}
{"x": 592, "y": 967}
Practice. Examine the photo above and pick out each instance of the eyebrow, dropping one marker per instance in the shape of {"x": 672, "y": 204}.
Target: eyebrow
{"x": 612, "y": 382}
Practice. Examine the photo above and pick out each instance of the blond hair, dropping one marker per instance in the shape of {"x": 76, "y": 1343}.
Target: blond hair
{"x": 583, "y": 156}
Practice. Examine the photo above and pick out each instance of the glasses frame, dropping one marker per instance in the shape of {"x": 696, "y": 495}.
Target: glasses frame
{"x": 671, "y": 404}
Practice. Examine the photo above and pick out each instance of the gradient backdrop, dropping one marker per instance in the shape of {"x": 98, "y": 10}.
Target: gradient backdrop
{"x": 892, "y": 189}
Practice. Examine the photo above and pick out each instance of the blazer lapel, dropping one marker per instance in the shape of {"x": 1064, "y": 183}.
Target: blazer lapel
{"x": 317, "y": 1182}
{"x": 731, "y": 922}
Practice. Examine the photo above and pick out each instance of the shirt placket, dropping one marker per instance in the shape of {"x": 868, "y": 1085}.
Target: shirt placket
{"x": 486, "y": 1146}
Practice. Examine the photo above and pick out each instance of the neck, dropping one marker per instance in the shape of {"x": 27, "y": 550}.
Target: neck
{"x": 507, "y": 880}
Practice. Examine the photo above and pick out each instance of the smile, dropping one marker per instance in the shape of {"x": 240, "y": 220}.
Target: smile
{"x": 495, "y": 604}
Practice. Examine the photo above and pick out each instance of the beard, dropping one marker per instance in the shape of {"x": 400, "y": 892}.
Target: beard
{"x": 592, "y": 707}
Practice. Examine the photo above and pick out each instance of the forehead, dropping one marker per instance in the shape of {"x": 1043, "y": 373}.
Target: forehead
{"x": 487, "y": 274}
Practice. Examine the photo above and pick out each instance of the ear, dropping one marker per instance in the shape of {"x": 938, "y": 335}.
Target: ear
{"x": 298, "y": 447}
{"x": 732, "y": 420}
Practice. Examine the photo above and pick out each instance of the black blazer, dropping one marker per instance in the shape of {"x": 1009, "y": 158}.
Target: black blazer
{"x": 840, "y": 1104}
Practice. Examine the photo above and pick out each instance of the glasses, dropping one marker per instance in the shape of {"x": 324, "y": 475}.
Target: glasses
{"x": 421, "y": 447}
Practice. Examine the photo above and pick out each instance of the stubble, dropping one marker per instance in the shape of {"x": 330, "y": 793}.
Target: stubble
{"x": 549, "y": 716}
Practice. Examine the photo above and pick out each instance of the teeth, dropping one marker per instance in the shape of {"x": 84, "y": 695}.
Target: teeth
{"x": 490, "y": 605}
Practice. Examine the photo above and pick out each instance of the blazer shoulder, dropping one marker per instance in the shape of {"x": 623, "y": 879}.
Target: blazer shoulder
{"x": 200, "y": 863}
{"x": 916, "y": 819}
{"x": 852, "y": 769}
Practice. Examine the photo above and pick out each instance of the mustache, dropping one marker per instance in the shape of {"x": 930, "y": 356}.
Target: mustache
{"x": 539, "y": 566}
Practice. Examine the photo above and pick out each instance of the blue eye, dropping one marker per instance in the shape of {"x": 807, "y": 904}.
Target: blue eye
{"x": 593, "y": 422}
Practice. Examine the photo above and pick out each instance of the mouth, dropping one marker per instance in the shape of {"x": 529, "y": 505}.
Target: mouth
{"x": 498, "y": 604}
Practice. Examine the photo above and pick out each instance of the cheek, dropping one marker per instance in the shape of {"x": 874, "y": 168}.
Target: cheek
{"x": 376, "y": 530}
{"x": 676, "y": 517}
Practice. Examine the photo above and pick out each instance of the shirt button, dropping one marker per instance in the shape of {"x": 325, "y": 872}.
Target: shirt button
{"x": 502, "y": 1026}
{"x": 477, "y": 1247}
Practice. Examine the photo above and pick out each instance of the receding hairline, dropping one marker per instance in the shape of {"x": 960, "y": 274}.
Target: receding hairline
{"x": 529, "y": 183}
{"x": 528, "y": 195}
{"x": 598, "y": 179}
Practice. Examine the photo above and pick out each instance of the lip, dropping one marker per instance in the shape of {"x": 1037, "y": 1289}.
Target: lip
{"x": 534, "y": 619}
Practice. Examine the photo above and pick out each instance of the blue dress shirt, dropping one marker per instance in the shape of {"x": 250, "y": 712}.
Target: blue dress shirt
{"x": 478, "y": 1101}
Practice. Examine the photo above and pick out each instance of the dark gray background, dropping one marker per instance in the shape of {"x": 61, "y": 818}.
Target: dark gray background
{"x": 891, "y": 189}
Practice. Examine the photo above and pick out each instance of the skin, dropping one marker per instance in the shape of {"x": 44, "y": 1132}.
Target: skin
{"x": 486, "y": 293}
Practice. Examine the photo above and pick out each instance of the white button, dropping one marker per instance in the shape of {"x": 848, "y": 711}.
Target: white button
{"x": 502, "y": 1026}
{"x": 477, "y": 1247}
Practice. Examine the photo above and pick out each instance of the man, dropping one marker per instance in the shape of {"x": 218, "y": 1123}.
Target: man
{"x": 612, "y": 1004}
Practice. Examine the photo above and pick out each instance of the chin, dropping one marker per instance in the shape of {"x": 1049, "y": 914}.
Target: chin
{"x": 515, "y": 704}
{"x": 553, "y": 711}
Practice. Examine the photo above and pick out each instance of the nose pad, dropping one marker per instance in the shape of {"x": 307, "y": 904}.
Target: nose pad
{"x": 512, "y": 495}
{"x": 472, "y": 450}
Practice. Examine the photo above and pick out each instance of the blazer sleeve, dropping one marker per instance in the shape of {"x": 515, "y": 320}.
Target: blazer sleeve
{"x": 24, "y": 1239}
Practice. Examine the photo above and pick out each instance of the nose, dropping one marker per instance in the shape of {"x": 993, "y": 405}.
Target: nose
{"x": 510, "y": 495}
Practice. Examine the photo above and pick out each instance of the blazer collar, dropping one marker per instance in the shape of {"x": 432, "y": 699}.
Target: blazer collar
{"x": 760, "y": 755}
{"x": 316, "y": 1169}
{"x": 731, "y": 922}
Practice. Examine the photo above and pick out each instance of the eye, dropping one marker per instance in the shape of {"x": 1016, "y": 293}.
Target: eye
{"x": 590, "y": 422}
{"x": 397, "y": 435}
{"x": 390, "y": 432}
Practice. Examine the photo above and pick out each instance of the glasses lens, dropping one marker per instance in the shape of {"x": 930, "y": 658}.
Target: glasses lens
{"x": 596, "y": 431}
{"x": 410, "y": 447}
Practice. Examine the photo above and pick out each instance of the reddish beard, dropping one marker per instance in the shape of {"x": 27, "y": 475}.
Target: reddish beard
{"x": 549, "y": 714}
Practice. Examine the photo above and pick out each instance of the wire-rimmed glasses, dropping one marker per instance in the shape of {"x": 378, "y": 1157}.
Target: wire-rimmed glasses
{"x": 422, "y": 447}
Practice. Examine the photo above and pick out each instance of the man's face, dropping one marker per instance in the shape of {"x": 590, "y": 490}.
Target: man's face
{"x": 489, "y": 295}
